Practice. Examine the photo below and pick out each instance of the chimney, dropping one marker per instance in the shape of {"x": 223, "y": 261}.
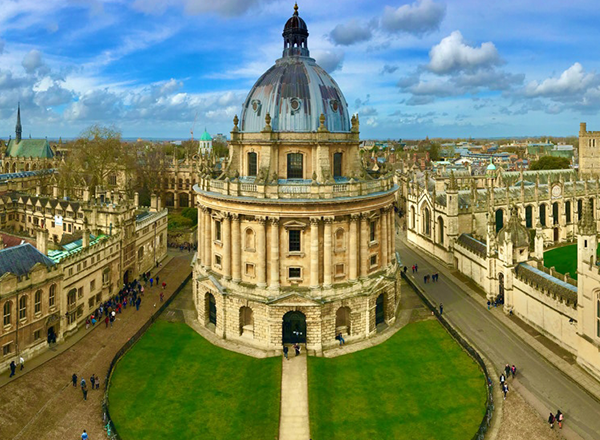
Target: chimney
{"x": 158, "y": 204}
{"x": 582, "y": 127}
{"x": 41, "y": 240}
{"x": 55, "y": 191}
{"x": 153, "y": 203}
{"x": 136, "y": 199}
{"x": 38, "y": 190}
{"x": 86, "y": 238}
{"x": 86, "y": 195}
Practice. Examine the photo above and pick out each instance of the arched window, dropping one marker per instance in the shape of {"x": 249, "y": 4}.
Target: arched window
{"x": 339, "y": 239}
{"x": 529, "y": 217}
{"x": 342, "y": 321}
{"x": 555, "y": 213}
{"x": 337, "y": 164}
{"x": 210, "y": 309}
{"x": 499, "y": 220}
{"x": 543, "y": 214}
{"x": 426, "y": 222}
{"x": 592, "y": 207}
{"x": 7, "y": 312}
{"x": 22, "y": 307}
{"x": 295, "y": 166}
{"x": 141, "y": 253}
{"x": 52, "y": 296}
{"x": 440, "y": 230}
{"x": 37, "y": 303}
{"x": 249, "y": 240}
{"x": 568, "y": 211}
{"x": 246, "y": 322}
{"x": 579, "y": 209}
{"x": 413, "y": 217}
{"x": 252, "y": 164}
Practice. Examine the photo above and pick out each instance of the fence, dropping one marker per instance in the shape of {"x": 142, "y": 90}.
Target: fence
{"x": 130, "y": 343}
{"x": 487, "y": 418}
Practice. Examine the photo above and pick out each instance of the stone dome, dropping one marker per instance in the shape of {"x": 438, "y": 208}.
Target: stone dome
{"x": 514, "y": 232}
{"x": 295, "y": 91}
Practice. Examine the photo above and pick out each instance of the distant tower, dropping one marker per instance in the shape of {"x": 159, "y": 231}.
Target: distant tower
{"x": 18, "y": 128}
{"x": 205, "y": 145}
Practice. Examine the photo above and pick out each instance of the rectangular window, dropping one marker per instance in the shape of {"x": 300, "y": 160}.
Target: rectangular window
{"x": 373, "y": 260}
{"x": 91, "y": 302}
{"x": 294, "y": 272}
{"x": 218, "y": 260}
{"x": 252, "y": 164}
{"x": 70, "y": 271}
{"x": 294, "y": 238}
{"x": 218, "y": 230}
{"x": 373, "y": 230}
{"x": 250, "y": 270}
{"x": 37, "y": 305}
{"x": 339, "y": 270}
{"x": 37, "y": 335}
{"x": 80, "y": 311}
{"x": 80, "y": 293}
{"x": 98, "y": 298}
{"x": 6, "y": 350}
{"x": 70, "y": 227}
{"x": 294, "y": 166}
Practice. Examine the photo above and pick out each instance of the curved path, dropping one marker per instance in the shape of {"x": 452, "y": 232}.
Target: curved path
{"x": 546, "y": 387}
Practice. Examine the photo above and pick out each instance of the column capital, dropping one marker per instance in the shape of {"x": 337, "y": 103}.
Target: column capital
{"x": 274, "y": 220}
{"x": 364, "y": 215}
{"x": 204, "y": 209}
{"x": 328, "y": 220}
{"x": 354, "y": 217}
{"x": 315, "y": 220}
{"x": 235, "y": 217}
{"x": 260, "y": 219}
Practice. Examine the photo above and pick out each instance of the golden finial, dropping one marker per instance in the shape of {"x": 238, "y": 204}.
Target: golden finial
{"x": 296, "y": 9}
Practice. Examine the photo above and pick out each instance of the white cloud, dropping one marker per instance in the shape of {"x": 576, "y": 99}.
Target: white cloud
{"x": 418, "y": 18}
{"x": 350, "y": 33}
{"x": 574, "y": 80}
{"x": 225, "y": 8}
{"x": 32, "y": 61}
{"x": 330, "y": 60}
{"x": 452, "y": 54}
{"x": 2, "y": 44}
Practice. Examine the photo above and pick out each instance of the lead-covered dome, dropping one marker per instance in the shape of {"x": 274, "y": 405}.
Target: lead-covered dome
{"x": 295, "y": 91}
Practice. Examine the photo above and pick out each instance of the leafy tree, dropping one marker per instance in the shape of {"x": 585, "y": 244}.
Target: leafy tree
{"x": 220, "y": 149}
{"x": 434, "y": 151}
{"x": 550, "y": 163}
{"x": 191, "y": 214}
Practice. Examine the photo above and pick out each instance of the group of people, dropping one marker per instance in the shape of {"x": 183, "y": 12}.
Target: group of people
{"x": 556, "y": 418}
{"x": 508, "y": 371}
{"x": 94, "y": 381}
{"x": 286, "y": 350}
{"x": 434, "y": 278}
{"x": 13, "y": 366}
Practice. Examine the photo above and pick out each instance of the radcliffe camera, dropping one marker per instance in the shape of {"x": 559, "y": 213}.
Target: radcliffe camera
{"x": 258, "y": 220}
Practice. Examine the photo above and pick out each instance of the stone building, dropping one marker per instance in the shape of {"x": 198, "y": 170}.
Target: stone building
{"x": 496, "y": 235}
{"x": 296, "y": 241}
{"x": 29, "y": 300}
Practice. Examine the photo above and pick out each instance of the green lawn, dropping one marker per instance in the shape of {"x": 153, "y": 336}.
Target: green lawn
{"x": 174, "y": 384}
{"x": 419, "y": 384}
{"x": 563, "y": 259}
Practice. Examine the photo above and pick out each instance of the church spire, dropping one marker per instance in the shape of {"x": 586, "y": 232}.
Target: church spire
{"x": 18, "y": 128}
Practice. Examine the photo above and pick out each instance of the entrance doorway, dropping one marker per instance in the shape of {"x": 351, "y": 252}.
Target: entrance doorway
{"x": 294, "y": 328}
{"x": 379, "y": 310}
{"x": 555, "y": 235}
{"x": 51, "y": 335}
{"x": 212, "y": 309}
{"x": 127, "y": 277}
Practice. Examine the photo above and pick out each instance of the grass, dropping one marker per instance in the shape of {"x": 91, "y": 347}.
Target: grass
{"x": 563, "y": 259}
{"x": 419, "y": 384}
{"x": 175, "y": 384}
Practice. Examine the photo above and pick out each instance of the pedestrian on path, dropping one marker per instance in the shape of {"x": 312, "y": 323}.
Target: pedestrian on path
{"x": 74, "y": 379}
{"x": 84, "y": 390}
{"x": 413, "y": 268}
{"x": 164, "y": 285}
{"x": 93, "y": 381}
{"x": 502, "y": 380}
{"x": 13, "y": 368}
{"x": 416, "y": 268}
{"x": 551, "y": 420}
{"x": 489, "y": 304}
{"x": 505, "y": 390}
{"x": 97, "y": 383}
{"x": 83, "y": 384}
{"x": 151, "y": 281}
{"x": 425, "y": 279}
{"x": 405, "y": 269}
{"x": 559, "y": 418}
{"x": 162, "y": 296}
{"x": 297, "y": 349}
{"x": 84, "y": 435}
{"x": 507, "y": 370}
{"x": 441, "y": 309}
{"x": 137, "y": 303}
{"x": 106, "y": 321}
{"x": 340, "y": 338}
{"x": 513, "y": 370}
{"x": 285, "y": 352}
{"x": 157, "y": 279}
{"x": 22, "y": 362}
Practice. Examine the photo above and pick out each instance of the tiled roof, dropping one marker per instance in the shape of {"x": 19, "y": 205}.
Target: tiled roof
{"x": 544, "y": 281}
{"x": 20, "y": 259}
{"x": 472, "y": 244}
{"x": 38, "y": 148}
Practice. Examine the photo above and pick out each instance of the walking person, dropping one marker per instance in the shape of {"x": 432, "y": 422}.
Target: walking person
{"x": 513, "y": 370}
{"x": 505, "y": 390}
{"x": 137, "y": 303}
{"x": 151, "y": 281}
{"x": 502, "y": 380}
{"x": 340, "y": 338}
{"x": 441, "y": 309}
{"x": 84, "y": 390}
{"x": 507, "y": 370}
{"x": 74, "y": 379}
{"x": 84, "y": 435}
{"x": 83, "y": 384}
{"x": 22, "y": 362}
{"x": 106, "y": 321}
{"x": 157, "y": 279}
{"x": 559, "y": 418}
{"x": 551, "y": 420}
{"x": 297, "y": 349}
{"x": 416, "y": 268}
{"x": 13, "y": 368}
{"x": 285, "y": 352}
{"x": 97, "y": 383}
{"x": 93, "y": 381}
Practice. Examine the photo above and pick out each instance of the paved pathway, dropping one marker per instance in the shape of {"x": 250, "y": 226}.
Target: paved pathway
{"x": 293, "y": 421}
{"x": 42, "y": 404}
{"x": 547, "y": 388}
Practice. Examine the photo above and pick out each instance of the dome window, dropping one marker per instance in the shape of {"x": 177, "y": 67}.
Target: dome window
{"x": 334, "y": 105}
{"x": 295, "y": 104}
{"x": 256, "y": 106}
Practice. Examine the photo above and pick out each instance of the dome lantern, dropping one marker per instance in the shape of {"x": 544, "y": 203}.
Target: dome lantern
{"x": 295, "y": 36}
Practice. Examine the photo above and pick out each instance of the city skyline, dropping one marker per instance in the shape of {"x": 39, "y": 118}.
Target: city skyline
{"x": 409, "y": 69}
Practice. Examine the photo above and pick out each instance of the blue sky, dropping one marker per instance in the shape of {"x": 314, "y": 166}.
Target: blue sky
{"x": 410, "y": 69}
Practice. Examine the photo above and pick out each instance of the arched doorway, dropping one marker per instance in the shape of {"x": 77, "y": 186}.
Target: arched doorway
{"x": 211, "y": 309}
{"x": 500, "y": 297}
{"x": 294, "y": 328}
{"x": 380, "y": 310}
{"x": 127, "y": 277}
{"x": 555, "y": 234}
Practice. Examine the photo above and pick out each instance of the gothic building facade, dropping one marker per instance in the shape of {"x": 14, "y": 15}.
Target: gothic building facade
{"x": 296, "y": 240}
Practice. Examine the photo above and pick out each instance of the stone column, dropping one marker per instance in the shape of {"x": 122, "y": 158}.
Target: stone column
{"x": 391, "y": 234}
{"x": 261, "y": 251}
{"x": 227, "y": 246}
{"x": 314, "y": 252}
{"x": 327, "y": 257}
{"x": 200, "y": 234}
{"x": 207, "y": 239}
{"x": 353, "y": 248}
{"x": 383, "y": 234}
{"x": 236, "y": 248}
{"x": 274, "y": 283}
{"x": 364, "y": 246}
